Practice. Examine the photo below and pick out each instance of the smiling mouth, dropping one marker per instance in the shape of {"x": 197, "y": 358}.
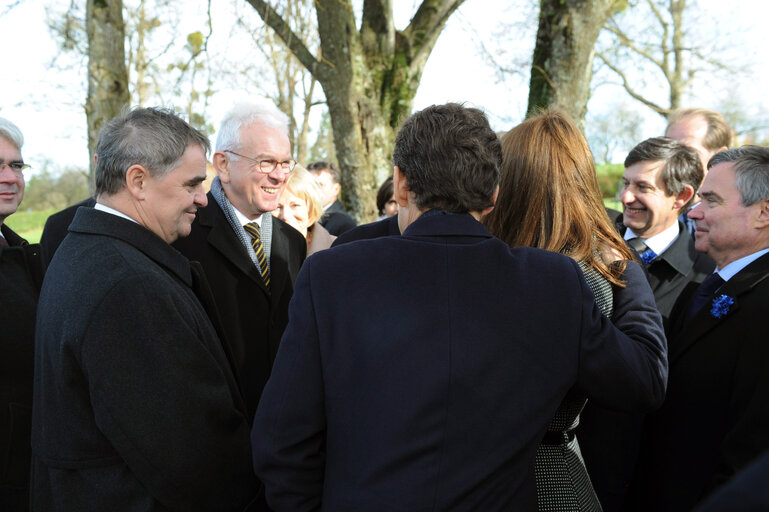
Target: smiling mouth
{"x": 634, "y": 210}
{"x": 270, "y": 190}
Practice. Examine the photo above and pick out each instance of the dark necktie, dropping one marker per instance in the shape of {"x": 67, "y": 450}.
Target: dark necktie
{"x": 256, "y": 242}
{"x": 646, "y": 254}
{"x": 3, "y": 242}
{"x": 704, "y": 293}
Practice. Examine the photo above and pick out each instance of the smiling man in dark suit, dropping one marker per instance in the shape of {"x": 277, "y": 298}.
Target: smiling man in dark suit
{"x": 136, "y": 406}
{"x": 419, "y": 372}
{"x": 715, "y": 418}
{"x": 250, "y": 257}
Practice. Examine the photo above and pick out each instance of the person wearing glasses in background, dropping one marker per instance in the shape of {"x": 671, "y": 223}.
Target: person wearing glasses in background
{"x": 21, "y": 275}
{"x": 250, "y": 257}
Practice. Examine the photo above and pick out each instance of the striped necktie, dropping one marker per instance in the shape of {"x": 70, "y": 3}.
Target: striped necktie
{"x": 643, "y": 250}
{"x": 256, "y": 242}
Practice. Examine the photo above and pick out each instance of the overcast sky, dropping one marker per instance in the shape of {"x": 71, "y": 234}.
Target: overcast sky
{"x": 48, "y": 107}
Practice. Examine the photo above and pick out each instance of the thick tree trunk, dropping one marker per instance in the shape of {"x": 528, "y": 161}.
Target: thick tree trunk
{"x": 107, "y": 74}
{"x": 562, "y": 65}
{"x": 370, "y": 78}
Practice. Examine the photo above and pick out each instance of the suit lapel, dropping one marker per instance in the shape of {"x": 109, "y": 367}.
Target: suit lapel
{"x": 704, "y": 321}
{"x": 278, "y": 261}
{"x": 223, "y": 238}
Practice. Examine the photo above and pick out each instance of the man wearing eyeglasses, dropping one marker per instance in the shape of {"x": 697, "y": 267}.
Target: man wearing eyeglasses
{"x": 20, "y": 279}
{"x": 250, "y": 257}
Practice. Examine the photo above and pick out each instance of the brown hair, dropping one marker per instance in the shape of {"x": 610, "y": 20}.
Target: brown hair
{"x": 549, "y": 196}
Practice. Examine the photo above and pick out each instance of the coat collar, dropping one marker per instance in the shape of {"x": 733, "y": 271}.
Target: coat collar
{"x": 92, "y": 221}
{"x": 12, "y": 237}
{"x": 223, "y": 239}
{"x": 680, "y": 255}
{"x": 736, "y": 287}
{"x": 439, "y": 223}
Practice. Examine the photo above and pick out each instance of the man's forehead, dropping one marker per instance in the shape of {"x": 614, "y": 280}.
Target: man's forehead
{"x": 8, "y": 149}
{"x": 646, "y": 170}
{"x": 690, "y": 130}
{"x": 263, "y": 139}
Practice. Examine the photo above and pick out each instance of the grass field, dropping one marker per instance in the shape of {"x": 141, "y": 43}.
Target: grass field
{"x": 28, "y": 224}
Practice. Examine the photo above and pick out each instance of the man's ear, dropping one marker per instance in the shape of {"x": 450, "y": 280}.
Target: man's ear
{"x": 762, "y": 219}
{"x": 400, "y": 187}
{"x": 494, "y": 196}
{"x": 219, "y": 161}
{"x": 136, "y": 178}
{"x": 683, "y": 197}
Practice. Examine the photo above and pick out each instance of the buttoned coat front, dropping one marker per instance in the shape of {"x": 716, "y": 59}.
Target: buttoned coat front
{"x": 135, "y": 404}
{"x": 253, "y": 318}
{"x": 715, "y": 419}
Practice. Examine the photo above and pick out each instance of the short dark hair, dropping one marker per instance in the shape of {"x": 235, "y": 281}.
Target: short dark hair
{"x": 154, "y": 137}
{"x": 751, "y": 165}
{"x": 329, "y": 167}
{"x": 384, "y": 194}
{"x": 682, "y": 164}
{"x": 450, "y": 158}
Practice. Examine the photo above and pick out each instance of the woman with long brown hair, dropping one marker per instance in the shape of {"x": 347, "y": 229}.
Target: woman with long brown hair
{"x": 549, "y": 198}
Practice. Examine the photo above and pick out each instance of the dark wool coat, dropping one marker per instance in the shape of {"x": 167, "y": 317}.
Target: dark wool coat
{"x": 135, "y": 404}
{"x": 715, "y": 419}
{"x": 436, "y": 395}
{"x": 336, "y": 220}
{"x": 253, "y": 318}
{"x": 21, "y": 274}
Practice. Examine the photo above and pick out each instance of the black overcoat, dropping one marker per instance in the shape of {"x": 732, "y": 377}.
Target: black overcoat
{"x": 253, "y": 319}
{"x": 135, "y": 404}
{"x": 21, "y": 274}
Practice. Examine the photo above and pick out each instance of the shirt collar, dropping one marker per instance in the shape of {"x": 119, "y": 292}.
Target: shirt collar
{"x": 659, "y": 242}
{"x": 245, "y": 220}
{"x": 732, "y": 268}
{"x": 105, "y": 208}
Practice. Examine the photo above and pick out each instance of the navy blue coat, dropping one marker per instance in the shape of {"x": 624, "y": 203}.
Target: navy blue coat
{"x": 436, "y": 396}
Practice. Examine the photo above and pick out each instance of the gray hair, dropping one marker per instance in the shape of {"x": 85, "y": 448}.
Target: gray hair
{"x": 245, "y": 114}
{"x": 751, "y": 165}
{"x": 682, "y": 164}
{"x": 11, "y": 132}
{"x": 155, "y": 138}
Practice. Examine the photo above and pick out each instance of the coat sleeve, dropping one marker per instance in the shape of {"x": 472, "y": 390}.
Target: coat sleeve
{"x": 160, "y": 395}
{"x": 288, "y": 436}
{"x": 623, "y": 362}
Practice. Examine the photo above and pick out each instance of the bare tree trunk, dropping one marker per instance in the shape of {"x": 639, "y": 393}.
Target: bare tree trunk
{"x": 562, "y": 65}
{"x": 370, "y": 77}
{"x": 107, "y": 75}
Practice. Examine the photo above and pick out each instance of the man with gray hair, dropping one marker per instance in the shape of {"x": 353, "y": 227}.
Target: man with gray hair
{"x": 715, "y": 416}
{"x": 21, "y": 273}
{"x": 250, "y": 257}
{"x": 136, "y": 406}
{"x": 661, "y": 177}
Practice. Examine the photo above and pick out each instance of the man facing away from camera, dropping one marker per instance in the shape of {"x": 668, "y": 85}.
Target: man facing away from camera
{"x": 435, "y": 396}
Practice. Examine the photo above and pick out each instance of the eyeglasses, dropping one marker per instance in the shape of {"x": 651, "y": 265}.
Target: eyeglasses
{"x": 17, "y": 167}
{"x": 268, "y": 165}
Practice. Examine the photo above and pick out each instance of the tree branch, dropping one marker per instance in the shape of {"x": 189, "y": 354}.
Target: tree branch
{"x": 628, "y": 43}
{"x": 274, "y": 20}
{"x": 378, "y": 28}
{"x": 626, "y": 84}
{"x": 425, "y": 27}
